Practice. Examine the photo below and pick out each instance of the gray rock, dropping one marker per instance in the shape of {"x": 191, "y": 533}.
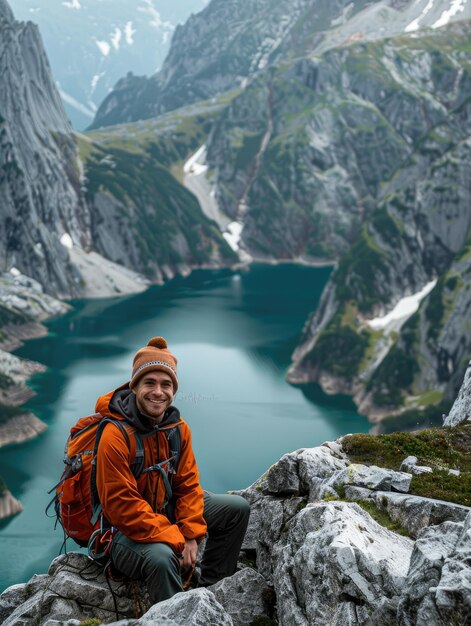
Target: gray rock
{"x": 335, "y": 562}
{"x": 16, "y": 595}
{"x": 32, "y": 611}
{"x": 315, "y": 465}
{"x": 197, "y": 607}
{"x": 59, "y": 622}
{"x": 432, "y": 547}
{"x": 413, "y": 512}
{"x": 461, "y": 409}
{"x": 283, "y": 478}
{"x": 243, "y": 596}
{"x": 453, "y": 592}
{"x": 370, "y": 477}
{"x": 410, "y": 466}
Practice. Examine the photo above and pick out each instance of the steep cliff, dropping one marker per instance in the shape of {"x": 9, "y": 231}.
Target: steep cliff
{"x": 142, "y": 215}
{"x": 230, "y": 43}
{"x": 67, "y": 231}
{"x": 359, "y": 341}
{"x": 40, "y": 190}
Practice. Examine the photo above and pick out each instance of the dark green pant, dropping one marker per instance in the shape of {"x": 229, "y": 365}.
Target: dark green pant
{"x": 156, "y": 563}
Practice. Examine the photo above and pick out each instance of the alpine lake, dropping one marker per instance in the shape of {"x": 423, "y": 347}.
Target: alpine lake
{"x": 233, "y": 335}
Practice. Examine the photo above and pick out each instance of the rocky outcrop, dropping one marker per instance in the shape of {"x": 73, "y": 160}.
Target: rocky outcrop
{"x": 320, "y": 559}
{"x": 9, "y": 505}
{"x": 461, "y": 409}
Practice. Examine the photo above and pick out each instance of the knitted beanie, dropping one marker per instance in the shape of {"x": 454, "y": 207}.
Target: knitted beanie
{"x": 155, "y": 356}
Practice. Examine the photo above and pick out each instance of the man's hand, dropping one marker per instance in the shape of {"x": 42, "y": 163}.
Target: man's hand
{"x": 189, "y": 554}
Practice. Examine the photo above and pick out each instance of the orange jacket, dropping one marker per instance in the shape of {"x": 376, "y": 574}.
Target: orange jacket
{"x": 133, "y": 507}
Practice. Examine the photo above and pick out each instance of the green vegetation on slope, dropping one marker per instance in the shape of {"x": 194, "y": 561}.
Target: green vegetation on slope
{"x": 440, "y": 448}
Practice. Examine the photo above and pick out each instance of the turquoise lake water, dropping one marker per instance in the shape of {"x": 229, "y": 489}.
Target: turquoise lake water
{"x": 233, "y": 336}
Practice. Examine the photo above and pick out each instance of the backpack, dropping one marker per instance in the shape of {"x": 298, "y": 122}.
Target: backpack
{"x": 76, "y": 502}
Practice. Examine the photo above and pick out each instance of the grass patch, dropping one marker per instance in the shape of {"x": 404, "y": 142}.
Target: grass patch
{"x": 440, "y": 448}
{"x": 382, "y": 517}
{"x": 440, "y": 484}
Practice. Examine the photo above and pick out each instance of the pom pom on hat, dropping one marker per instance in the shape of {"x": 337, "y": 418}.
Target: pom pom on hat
{"x": 154, "y": 356}
{"x": 157, "y": 342}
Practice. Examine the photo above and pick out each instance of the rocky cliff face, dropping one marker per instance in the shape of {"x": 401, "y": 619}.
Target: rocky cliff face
{"x": 332, "y": 538}
{"x": 359, "y": 341}
{"x": 231, "y": 43}
{"x": 142, "y": 215}
{"x": 59, "y": 224}
{"x": 40, "y": 190}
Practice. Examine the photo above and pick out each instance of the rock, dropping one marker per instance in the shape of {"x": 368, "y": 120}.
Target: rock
{"x": 453, "y": 592}
{"x": 9, "y": 505}
{"x": 191, "y": 608}
{"x": 17, "y": 595}
{"x": 315, "y": 465}
{"x": 461, "y": 409}
{"x": 21, "y": 428}
{"x": 243, "y": 596}
{"x": 370, "y": 477}
{"x": 410, "y": 466}
{"x": 413, "y": 512}
{"x": 335, "y": 565}
{"x": 438, "y": 585}
{"x": 283, "y": 478}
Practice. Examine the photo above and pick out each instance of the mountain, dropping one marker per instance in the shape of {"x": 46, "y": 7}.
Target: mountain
{"x": 345, "y": 140}
{"x": 231, "y": 42}
{"x": 53, "y": 230}
{"x": 91, "y": 43}
{"x": 40, "y": 190}
{"x": 414, "y": 248}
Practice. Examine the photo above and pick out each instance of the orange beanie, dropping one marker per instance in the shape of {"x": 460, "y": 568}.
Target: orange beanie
{"x": 155, "y": 356}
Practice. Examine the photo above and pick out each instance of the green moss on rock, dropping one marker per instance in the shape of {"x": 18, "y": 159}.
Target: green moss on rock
{"x": 440, "y": 448}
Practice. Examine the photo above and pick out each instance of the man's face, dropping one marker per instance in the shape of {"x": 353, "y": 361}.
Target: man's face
{"x": 154, "y": 394}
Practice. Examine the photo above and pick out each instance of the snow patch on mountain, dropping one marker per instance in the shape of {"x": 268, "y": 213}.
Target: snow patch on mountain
{"x": 74, "y": 4}
{"x": 455, "y": 7}
{"x": 116, "y": 38}
{"x": 414, "y": 25}
{"x": 71, "y": 101}
{"x": 156, "y": 19}
{"x": 129, "y": 33}
{"x": 104, "y": 47}
{"x": 406, "y": 307}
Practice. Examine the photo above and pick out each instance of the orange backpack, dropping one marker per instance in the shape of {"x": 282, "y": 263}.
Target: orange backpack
{"x": 76, "y": 502}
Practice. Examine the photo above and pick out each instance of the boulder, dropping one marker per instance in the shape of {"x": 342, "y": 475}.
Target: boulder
{"x": 244, "y": 596}
{"x": 370, "y": 477}
{"x": 335, "y": 565}
{"x": 16, "y": 595}
{"x": 438, "y": 585}
{"x": 410, "y": 466}
{"x": 315, "y": 466}
{"x": 191, "y": 608}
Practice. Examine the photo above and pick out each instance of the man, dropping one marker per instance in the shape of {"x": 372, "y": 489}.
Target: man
{"x": 149, "y": 545}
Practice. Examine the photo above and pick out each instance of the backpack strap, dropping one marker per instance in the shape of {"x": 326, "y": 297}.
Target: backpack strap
{"x": 136, "y": 466}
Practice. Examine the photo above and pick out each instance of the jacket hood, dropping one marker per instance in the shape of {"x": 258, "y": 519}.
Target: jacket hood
{"x": 122, "y": 403}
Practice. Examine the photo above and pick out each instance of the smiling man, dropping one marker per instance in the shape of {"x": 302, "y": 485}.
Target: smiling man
{"x": 159, "y": 518}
